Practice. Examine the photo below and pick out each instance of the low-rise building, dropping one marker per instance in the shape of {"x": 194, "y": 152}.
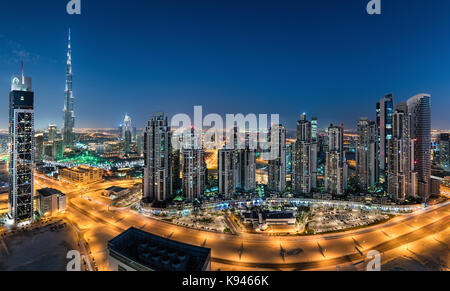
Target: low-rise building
{"x": 82, "y": 174}
{"x": 50, "y": 201}
{"x": 115, "y": 192}
{"x": 137, "y": 250}
{"x": 269, "y": 217}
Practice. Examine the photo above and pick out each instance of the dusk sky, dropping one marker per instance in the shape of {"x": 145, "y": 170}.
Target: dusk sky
{"x": 327, "y": 58}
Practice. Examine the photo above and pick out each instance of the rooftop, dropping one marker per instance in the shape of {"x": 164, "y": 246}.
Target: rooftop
{"x": 116, "y": 189}
{"x": 158, "y": 253}
{"x": 49, "y": 192}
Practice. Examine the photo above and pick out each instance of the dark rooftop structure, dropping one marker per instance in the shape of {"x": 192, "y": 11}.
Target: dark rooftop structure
{"x": 116, "y": 189}
{"x": 270, "y": 214}
{"x": 48, "y": 192}
{"x": 143, "y": 251}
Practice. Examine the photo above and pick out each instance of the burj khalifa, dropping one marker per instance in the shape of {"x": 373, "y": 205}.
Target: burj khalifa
{"x": 69, "y": 114}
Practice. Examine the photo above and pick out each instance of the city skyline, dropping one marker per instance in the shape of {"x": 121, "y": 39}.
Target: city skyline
{"x": 216, "y": 77}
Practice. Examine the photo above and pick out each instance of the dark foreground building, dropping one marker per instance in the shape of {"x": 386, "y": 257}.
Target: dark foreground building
{"x": 137, "y": 250}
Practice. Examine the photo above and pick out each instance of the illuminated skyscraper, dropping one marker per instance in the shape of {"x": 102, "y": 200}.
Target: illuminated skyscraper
{"x": 227, "y": 172}
{"x": 336, "y": 165}
{"x": 52, "y": 133}
{"x": 366, "y": 154}
{"x": 22, "y": 150}
{"x": 419, "y": 112}
{"x": 193, "y": 167}
{"x": 157, "y": 185}
{"x": 277, "y": 162}
{"x": 69, "y": 113}
{"x": 304, "y": 174}
{"x": 127, "y": 130}
{"x": 385, "y": 109}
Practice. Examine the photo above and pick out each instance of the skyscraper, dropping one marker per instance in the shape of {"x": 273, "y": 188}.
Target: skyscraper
{"x": 336, "y": 165}
{"x": 21, "y": 155}
{"x": 277, "y": 163}
{"x": 399, "y": 173}
{"x": 366, "y": 154}
{"x": 157, "y": 185}
{"x": 444, "y": 151}
{"x": 385, "y": 109}
{"x": 127, "y": 130}
{"x": 52, "y": 133}
{"x": 69, "y": 113}
{"x": 419, "y": 111}
{"x": 193, "y": 167}
{"x": 409, "y": 160}
{"x": 227, "y": 172}
{"x": 304, "y": 174}
{"x": 245, "y": 159}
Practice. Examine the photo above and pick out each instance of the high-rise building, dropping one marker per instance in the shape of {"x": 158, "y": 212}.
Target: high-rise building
{"x": 336, "y": 165}
{"x": 314, "y": 128}
{"x": 304, "y": 170}
{"x": 277, "y": 161}
{"x": 52, "y": 132}
{"x": 193, "y": 168}
{"x": 177, "y": 182}
{"x": 39, "y": 143}
{"x": 127, "y": 131}
{"x": 399, "y": 173}
{"x": 444, "y": 151}
{"x": 419, "y": 112}
{"x": 245, "y": 159}
{"x": 22, "y": 150}
{"x": 409, "y": 163}
{"x": 385, "y": 109}
{"x": 366, "y": 154}
{"x": 227, "y": 172}
{"x": 157, "y": 185}
{"x": 68, "y": 134}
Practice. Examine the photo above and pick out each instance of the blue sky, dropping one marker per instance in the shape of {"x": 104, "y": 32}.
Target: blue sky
{"x": 327, "y": 58}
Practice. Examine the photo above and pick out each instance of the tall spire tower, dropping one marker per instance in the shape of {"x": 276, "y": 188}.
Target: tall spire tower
{"x": 69, "y": 114}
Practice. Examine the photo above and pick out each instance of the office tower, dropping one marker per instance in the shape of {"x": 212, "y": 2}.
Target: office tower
{"x": 157, "y": 185}
{"x": 385, "y": 109}
{"x": 140, "y": 144}
{"x": 21, "y": 155}
{"x": 277, "y": 161}
{"x": 419, "y": 112}
{"x": 366, "y": 154}
{"x": 227, "y": 172}
{"x": 52, "y": 132}
{"x": 127, "y": 130}
{"x": 304, "y": 177}
{"x": 399, "y": 170}
{"x": 444, "y": 151}
{"x": 336, "y": 165}
{"x": 69, "y": 113}
{"x": 39, "y": 142}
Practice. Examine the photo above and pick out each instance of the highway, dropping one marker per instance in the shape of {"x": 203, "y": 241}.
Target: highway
{"x": 245, "y": 251}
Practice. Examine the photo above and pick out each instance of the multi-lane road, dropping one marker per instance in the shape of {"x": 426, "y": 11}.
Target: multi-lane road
{"x": 396, "y": 238}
